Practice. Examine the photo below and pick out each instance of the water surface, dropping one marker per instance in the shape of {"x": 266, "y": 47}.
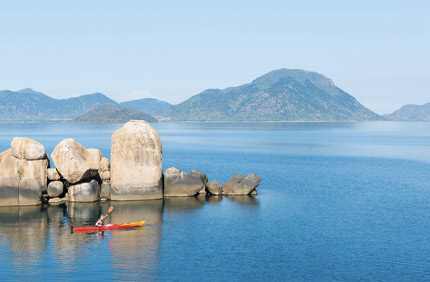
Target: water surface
{"x": 338, "y": 201}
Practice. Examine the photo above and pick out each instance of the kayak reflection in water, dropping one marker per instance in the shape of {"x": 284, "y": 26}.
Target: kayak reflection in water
{"x": 101, "y": 221}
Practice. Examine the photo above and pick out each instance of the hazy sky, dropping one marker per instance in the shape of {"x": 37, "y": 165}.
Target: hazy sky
{"x": 378, "y": 51}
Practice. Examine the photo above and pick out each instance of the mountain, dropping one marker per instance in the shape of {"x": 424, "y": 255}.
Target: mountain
{"x": 146, "y": 105}
{"x": 113, "y": 113}
{"x": 280, "y": 95}
{"x": 411, "y": 113}
{"x": 29, "y": 105}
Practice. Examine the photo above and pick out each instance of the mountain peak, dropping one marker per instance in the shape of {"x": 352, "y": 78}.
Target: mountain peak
{"x": 27, "y": 90}
{"x": 267, "y": 80}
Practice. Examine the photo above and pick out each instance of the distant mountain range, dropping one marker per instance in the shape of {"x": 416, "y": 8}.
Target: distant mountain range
{"x": 113, "y": 113}
{"x": 281, "y": 95}
{"x": 146, "y": 105}
{"x": 30, "y": 105}
{"x": 411, "y": 113}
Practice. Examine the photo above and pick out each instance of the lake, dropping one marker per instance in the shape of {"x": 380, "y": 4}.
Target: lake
{"x": 337, "y": 201}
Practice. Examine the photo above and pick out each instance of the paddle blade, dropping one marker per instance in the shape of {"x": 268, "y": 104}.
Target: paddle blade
{"x": 110, "y": 209}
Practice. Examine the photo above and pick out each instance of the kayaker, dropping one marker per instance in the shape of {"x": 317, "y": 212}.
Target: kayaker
{"x": 101, "y": 221}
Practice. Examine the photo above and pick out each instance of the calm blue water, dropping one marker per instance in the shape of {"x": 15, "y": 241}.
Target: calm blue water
{"x": 338, "y": 201}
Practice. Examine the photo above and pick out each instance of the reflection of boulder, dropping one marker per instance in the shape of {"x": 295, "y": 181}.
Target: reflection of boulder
{"x": 84, "y": 192}
{"x": 74, "y": 162}
{"x": 244, "y": 200}
{"x": 136, "y": 248}
{"x": 23, "y": 180}
{"x": 136, "y": 171}
{"x": 213, "y": 199}
{"x": 181, "y": 184}
{"x": 82, "y": 214}
{"x": 241, "y": 185}
{"x": 25, "y": 229}
{"x": 174, "y": 204}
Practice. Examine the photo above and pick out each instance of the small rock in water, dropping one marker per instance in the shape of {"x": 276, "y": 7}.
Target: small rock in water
{"x": 214, "y": 187}
{"x": 241, "y": 185}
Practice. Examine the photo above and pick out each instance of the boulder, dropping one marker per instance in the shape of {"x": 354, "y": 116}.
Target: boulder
{"x": 8, "y": 152}
{"x": 27, "y": 149}
{"x": 181, "y": 184}
{"x": 203, "y": 191}
{"x": 22, "y": 181}
{"x": 105, "y": 175}
{"x": 241, "y": 185}
{"x": 84, "y": 192}
{"x": 96, "y": 155}
{"x": 9, "y": 193}
{"x": 55, "y": 200}
{"x": 136, "y": 168}
{"x": 105, "y": 190}
{"x": 30, "y": 191}
{"x": 74, "y": 162}
{"x": 104, "y": 164}
{"x": 55, "y": 189}
{"x": 53, "y": 174}
{"x": 253, "y": 193}
{"x": 214, "y": 187}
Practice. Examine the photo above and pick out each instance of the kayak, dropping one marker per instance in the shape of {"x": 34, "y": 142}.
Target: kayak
{"x": 108, "y": 227}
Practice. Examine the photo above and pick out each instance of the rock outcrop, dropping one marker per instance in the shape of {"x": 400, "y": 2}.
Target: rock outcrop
{"x": 181, "y": 184}
{"x": 23, "y": 173}
{"x": 214, "y": 187}
{"x": 136, "y": 168}
{"x": 241, "y": 185}
{"x": 74, "y": 162}
{"x": 84, "y": 192}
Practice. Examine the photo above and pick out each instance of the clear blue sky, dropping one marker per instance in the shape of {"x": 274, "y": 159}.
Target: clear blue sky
{"x": 378, "y": 51}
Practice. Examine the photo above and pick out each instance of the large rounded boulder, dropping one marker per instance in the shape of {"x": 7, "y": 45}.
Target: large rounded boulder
{"x": 23, "y": 173}
{"x": 136, "y": 169}
{"x": 74, "y": 162}
{"x": 241, "y": 185}
{"x": 181, "y": 184}
{"x": 27, "y": 149}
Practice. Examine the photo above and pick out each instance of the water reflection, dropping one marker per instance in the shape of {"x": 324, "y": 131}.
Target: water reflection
{"x": 23, "y": 231}
{"x": 244, "y": 200}
{"x": 136, "y": 251}
{"x": 175, "y": 204}
{"x": 34, "y": 239}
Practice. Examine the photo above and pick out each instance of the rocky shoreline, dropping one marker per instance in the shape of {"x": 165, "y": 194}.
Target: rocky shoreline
{"x": 84, "y": 175}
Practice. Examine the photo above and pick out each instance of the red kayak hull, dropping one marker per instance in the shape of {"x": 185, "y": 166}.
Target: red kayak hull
{"x": 108, "y": 227}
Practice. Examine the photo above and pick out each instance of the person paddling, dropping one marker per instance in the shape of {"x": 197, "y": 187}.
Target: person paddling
{"x": 101, "y": 221}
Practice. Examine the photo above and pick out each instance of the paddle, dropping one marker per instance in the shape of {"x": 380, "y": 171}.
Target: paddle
{"x": 109, "y": 211}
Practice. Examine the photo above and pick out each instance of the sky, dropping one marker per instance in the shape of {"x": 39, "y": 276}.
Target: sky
{"x": 377, "y": 51}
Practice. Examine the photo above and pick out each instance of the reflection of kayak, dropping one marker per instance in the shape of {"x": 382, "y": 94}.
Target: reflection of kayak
{"x": 108, "y": 227}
